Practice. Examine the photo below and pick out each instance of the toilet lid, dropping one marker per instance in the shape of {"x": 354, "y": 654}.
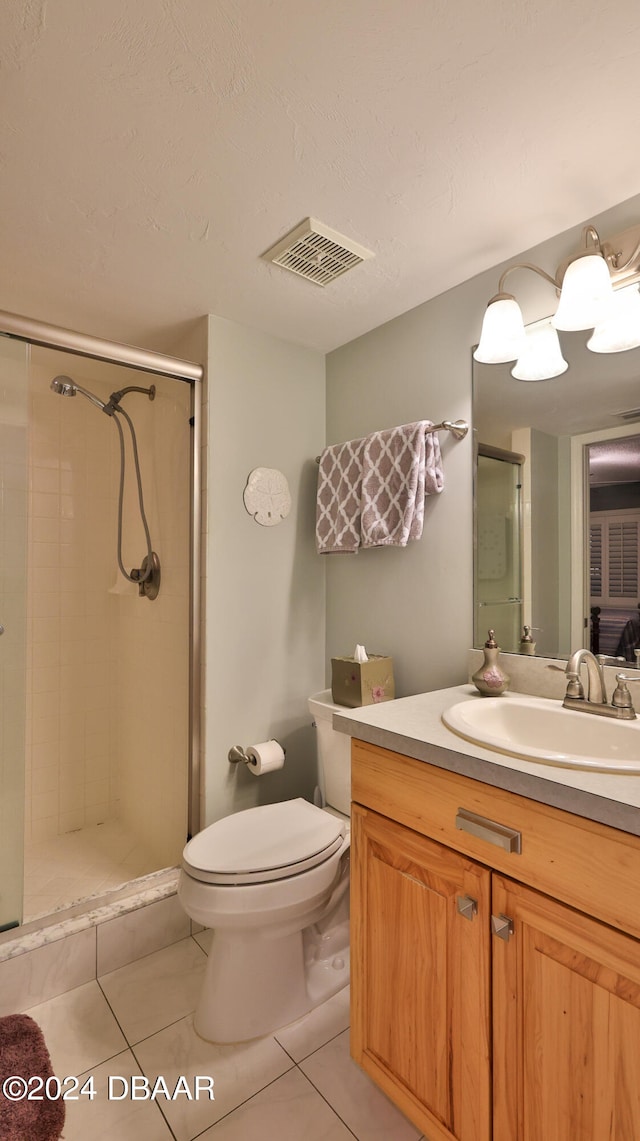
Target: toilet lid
{"x": 262, "y": 844}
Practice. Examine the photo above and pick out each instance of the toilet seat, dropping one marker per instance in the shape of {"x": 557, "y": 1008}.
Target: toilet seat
{"x": 263, "y": 844}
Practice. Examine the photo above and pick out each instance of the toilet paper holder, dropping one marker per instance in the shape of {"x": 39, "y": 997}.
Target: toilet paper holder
{"x": 237, "y": 753}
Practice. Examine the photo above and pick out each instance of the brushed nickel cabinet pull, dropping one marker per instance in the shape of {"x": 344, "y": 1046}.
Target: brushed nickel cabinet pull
{"x": 502, "y": 926}
{"x": 489, "y": 830}
{"x": 467, "y": 907}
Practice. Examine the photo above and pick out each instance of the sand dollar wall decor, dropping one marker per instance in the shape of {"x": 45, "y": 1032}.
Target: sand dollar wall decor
{"x": 267, "y": 497}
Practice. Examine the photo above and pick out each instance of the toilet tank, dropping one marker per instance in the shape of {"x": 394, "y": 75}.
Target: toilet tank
{"x": 334, "y": 753}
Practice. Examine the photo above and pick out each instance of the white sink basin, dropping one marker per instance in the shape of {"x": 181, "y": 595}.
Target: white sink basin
{"x": 541, "y": 730}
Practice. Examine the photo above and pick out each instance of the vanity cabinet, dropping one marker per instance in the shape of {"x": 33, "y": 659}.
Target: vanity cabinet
{"x": 495, "y": 972}
{"x": 421, "y": 976}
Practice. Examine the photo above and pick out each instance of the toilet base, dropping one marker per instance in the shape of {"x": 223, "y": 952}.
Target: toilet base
{"x": 254, "y": 985}
{"x": 279, "y": 948}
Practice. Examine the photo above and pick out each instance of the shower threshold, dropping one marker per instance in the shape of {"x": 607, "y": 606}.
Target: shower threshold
{"x": 68, "y": 869}
{"x": 90, "y": 912}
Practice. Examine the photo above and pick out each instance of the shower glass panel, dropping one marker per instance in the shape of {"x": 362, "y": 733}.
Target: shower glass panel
{"x": 498, "y": 562}
{"x": 107, "y": 686}
{"x": 13, "y": 618}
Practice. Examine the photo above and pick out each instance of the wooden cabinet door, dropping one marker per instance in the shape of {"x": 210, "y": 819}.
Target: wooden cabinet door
{"x": 566, "y": 1024}
{"x": 421, "y": 977}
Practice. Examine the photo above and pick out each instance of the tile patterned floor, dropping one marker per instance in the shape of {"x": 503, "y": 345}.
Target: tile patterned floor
{"x": 67, "y": 868}
{"x": 297, "y": 1085}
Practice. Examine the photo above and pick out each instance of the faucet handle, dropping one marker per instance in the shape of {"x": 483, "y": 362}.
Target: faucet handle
{"x": 621, "y": 698}
{"x": 575, "y": 687}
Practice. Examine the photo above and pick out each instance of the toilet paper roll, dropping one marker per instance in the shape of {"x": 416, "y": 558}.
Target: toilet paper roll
{"x": 265, "y": 757}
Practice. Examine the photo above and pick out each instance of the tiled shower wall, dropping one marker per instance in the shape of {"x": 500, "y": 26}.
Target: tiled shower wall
{"x": 72, "y": 512}
{"x": 107, "y": 677}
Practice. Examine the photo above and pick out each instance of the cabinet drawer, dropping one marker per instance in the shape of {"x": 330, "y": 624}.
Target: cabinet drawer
{"x": 587, "y": 865}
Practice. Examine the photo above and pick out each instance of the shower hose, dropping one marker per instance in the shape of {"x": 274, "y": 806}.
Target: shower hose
{"x": 141, "y": 575}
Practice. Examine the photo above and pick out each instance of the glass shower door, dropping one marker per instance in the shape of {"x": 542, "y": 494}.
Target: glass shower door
{"x": 13, "y": 619}
{"x": 498, "y": 562}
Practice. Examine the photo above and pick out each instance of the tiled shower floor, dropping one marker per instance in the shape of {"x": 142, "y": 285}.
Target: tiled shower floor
{"x": 67, "y": 868}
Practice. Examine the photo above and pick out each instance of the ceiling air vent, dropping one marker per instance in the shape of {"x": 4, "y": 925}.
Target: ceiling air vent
{"x": 317, "y": 252}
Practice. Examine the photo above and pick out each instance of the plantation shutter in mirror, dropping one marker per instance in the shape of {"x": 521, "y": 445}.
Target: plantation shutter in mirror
{"x": 595, "y": 562}
{"x": 623, "y": 560}
{"x": 614, "y": 558}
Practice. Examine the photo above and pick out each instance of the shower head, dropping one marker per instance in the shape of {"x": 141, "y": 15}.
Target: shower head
{"x": 65, "y": 386}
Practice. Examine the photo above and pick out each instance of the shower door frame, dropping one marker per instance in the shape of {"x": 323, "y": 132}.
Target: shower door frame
{"x": 144, "y": 360}
{"x": 522, "y": 600}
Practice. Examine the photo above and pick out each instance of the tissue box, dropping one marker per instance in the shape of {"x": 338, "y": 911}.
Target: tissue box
{"x": 362, "y": 683}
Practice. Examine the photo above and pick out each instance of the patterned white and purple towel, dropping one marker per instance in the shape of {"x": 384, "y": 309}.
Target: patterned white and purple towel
{"x": 371, "y": 491}
{"x": 338, "y": 510}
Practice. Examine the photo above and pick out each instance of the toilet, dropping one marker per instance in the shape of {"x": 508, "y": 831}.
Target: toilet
{"x": 273, "y": 883}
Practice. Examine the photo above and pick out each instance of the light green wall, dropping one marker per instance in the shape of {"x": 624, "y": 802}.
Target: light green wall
{"x": 416, "y": 603}
{"x": 413, "y": 603}
{"x": 265, "y": 596}
{"x": 265, "y": 588}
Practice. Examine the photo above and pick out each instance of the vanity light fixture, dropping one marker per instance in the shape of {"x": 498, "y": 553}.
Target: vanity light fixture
{"x": 621, "y": 329}
{"x": 541, "y": 358}
{"x": 586, "y": 283}
{"x": 586, "y": 296}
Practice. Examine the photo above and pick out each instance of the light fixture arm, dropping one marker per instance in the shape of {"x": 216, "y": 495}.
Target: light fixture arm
{"x": 621, "y": 253}
{"x": 526, "y": 265}
{"x": 588, "y": 233}
{"x": 620, "y": 267}
{"x": 591, "y": 232}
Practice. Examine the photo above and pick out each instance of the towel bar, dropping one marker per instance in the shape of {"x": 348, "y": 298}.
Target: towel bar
{"x": 458, "y": 429}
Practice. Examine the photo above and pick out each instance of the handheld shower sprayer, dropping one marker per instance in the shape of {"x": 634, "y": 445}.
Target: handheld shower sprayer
{"x": 147, "y": 576}
{"x": 65, "y": 386}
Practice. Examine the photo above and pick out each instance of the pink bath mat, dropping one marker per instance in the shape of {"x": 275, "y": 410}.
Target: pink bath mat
{"x": 24, "y": 1056}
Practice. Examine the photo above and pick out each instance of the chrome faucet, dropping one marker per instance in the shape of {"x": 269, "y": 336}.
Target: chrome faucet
{"x": 596, "y": 699}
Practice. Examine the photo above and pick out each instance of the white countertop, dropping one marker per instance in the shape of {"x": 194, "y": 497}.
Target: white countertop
{"x": 413, "y": 726}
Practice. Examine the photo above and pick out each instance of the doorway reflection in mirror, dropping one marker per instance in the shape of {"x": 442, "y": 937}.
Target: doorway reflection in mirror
{"x": 564, "y": 428}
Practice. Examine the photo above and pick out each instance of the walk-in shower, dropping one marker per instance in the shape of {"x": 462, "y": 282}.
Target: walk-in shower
{"x": 99, "y": 692}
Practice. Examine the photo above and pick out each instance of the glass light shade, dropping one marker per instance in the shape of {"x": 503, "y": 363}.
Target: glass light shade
{"x": 587, "y": 294}
{"x": 542, "y": 356}
{"x": 621, "y": 329}
{"x": 502, "y": 336}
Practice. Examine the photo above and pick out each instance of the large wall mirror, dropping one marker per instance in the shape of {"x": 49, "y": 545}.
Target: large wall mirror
{"x": 557, "y": 505}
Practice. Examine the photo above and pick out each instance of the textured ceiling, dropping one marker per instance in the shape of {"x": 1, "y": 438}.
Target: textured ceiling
{"x": 151, "y": 150}
{"x": 617, "y": 461}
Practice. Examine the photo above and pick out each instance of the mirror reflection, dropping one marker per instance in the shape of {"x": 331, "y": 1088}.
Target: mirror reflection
{"x": 557, "y": 498}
